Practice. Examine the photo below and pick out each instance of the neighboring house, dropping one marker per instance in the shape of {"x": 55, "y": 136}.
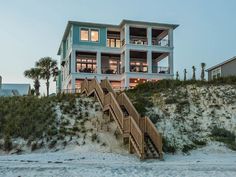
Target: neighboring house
{"x": 224, "y": 69}
{"x": 14, "y": 89}
{"x": 129, "y": 53}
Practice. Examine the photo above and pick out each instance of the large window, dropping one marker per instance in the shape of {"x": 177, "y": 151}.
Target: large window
{"x": 113, "y": 42}
{"x": 94, "y": 35}
{"x": 216, "y": 73}
{"x": 86, "y": 64}
{"x": 87, "y": 34}
{"x": 138, "y": 67}
{"x": 84, "y": 34}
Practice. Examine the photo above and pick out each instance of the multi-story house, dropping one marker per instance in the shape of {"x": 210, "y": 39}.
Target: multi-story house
{"x": 129, "y": 53}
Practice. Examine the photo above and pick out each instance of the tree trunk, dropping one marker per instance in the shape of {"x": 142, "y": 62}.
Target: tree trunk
{"x": 36, "y": 87}
{"x": 47, "y": 84}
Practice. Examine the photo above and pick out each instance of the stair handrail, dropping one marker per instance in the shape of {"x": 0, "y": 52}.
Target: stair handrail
{"x": 110, "y": 99}
{"x": 84, "y": 85}
{"x": 155, "y": 136}
{"x": 106, "y": 84}
{"x": 123, "y": 99}
{"x": 137, "y": 135}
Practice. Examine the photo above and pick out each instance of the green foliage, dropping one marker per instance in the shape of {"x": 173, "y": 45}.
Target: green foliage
{"x": 167, "y": 147}
{"x": 52, "y": 144}
{"x": 94, "y": 137}
{"x": 224, "y": 136}
{"x": 25, "y": 116}
{"x": 142, "y": 93}
{"x": 188, "y": 148}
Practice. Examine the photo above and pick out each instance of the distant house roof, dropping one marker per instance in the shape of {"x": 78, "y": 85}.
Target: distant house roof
{"x": 6, "y": 93}
{"x": 220, "y": 64}
{"x": 15, "y": 89}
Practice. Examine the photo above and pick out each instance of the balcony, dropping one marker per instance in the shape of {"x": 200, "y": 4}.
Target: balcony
{"x": 138, "y": 40}
{"x": 110, "y": 70}
{"x": 160, "y": 70}
{"x": 162, "y": 42}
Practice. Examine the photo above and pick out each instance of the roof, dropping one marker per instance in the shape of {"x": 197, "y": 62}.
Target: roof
{"x": 22, "y": 89}
{"x": 220, "y": 64}
{"x": 125, "y": 21}
{"x": 6, "y": 93}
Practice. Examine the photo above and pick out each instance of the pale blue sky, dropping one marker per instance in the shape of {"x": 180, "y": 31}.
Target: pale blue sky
{"x": 30, "y": 29}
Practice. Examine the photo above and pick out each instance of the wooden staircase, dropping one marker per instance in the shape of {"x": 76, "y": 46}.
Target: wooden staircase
{"x": 144, "y": 139}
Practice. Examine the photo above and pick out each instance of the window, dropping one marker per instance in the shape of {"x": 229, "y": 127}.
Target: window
{"x": 84, "y": 34}
{"x": 216, "y": 73}
{"x": 91, "y": 35}
{"x": 94, "y": 35}
{"x": 86, "y": 64}
{"x": 113, "y": 42}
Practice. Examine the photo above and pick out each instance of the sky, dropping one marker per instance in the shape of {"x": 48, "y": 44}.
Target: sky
{"x": 31, "y": 29}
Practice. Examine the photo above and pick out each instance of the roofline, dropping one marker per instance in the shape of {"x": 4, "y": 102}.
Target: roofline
{"x": 220, "y": 64}
{"x": 124, "y": 21}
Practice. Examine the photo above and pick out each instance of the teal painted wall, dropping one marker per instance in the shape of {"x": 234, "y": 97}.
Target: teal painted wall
{"x": 102, "y": 36}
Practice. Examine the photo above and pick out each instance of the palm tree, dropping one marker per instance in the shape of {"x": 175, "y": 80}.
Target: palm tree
{"x": 177, "y": 75}
{"x": 34, "y": 73}
{"x": 185, "y": 74}
{"x": 203, "y": 65}
{"x": 48, "y": 68}
{"x": 194, "y": 73}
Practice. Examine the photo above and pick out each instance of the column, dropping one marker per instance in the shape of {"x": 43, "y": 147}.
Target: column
{"x": 170, "y": 37}
{"x": 72, "y": 84}
{"x": 73, "y": 61}
{"x": 126, "y": 82}
{"x": 99, "y": 66}
{"x": 127, "y": 35}
{"x": 149, "y": 61}
{"x": 171, "y": 62}
{"x": 127, "y": 60}
{"x": 149, "y": 35}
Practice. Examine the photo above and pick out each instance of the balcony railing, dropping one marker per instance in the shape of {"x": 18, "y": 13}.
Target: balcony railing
{"x": 139, "y": 40}
{"x": 108, "y": 70}
{"x": 88, "y": 70}
{"x": 162, "y": 42}
{"x": 160, "y": 70}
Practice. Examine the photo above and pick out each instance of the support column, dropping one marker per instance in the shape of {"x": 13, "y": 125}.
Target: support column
{"x": 126, "y": 82}
{"x": 149, "y": 61}
{"x": 170, "y": 37}
{"x": 171, "y": 63}
{"x": 127, "y": 35}
{"x": 127, "y": 60}
{"x": 149, "y": 35}
{"x": 73, "y": 61}
{"x": 72, "y": 84}
{"x": 99, "y": 63}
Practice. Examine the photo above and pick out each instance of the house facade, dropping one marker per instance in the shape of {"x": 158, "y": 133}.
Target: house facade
{"x": 127, "y": 54}
{"x": 224, "y": 69}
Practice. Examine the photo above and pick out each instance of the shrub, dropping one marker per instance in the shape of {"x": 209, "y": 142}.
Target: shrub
{"x": 34, "y": 146}
{"x": 224, "y": 136}
{"x": 188, "y": 148}
{"x": 94, "y": 137}
{"x": 52, "y": 144}
{"x": 154, "y": 118}
{"x": 167, "y": 147}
